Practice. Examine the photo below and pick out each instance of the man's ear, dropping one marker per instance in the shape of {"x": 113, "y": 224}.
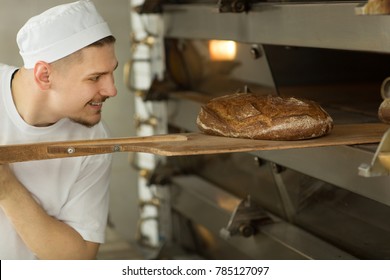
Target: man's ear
{"x": 42, "y": 71}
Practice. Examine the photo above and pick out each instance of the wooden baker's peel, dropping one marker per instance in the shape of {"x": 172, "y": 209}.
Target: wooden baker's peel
{"x": 51, "y": 150}
{"x": 188, "y": 144}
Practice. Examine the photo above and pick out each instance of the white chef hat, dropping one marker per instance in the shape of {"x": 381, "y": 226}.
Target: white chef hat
{"x": 60, "y": 31}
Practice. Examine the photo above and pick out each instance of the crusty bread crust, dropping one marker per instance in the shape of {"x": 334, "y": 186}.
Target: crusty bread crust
{"x": 267, "y": 117}
{"x": 384, "y": 111}
{"x": 376, "y": 7}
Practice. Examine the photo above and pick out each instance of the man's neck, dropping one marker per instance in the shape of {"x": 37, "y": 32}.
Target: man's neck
{"x": 28, "y": 101}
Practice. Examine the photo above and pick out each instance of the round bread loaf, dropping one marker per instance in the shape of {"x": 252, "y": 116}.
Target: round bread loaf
{"x": 266, "y": 117}
{"x": 375, "y": 7}
{"x": 384, "y": 111}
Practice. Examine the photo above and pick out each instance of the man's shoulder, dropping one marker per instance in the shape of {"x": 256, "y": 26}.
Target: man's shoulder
{"x": 4, "y": 67}
{"x": 6, "y": 71}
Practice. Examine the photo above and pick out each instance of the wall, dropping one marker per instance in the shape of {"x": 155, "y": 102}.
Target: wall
{"x": 118, "y": 112}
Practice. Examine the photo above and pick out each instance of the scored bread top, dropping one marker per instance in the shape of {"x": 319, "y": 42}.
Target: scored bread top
{"x": 267, "y": 117}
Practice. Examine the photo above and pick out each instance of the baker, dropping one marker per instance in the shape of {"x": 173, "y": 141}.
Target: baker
{"x": 56, "y": 209}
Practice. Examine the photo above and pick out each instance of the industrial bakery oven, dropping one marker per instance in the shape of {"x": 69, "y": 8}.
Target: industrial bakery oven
{"x": 308, "y": 203}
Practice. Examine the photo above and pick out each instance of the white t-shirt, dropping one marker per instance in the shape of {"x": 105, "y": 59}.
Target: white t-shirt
{"x": 73, "y": 190}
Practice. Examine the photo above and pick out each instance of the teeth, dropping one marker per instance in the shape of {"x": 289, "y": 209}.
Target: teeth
{"x": 95, "y": 103}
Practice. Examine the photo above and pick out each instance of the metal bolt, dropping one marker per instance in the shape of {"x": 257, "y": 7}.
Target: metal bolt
{"x": 116, "y": 148}
{"x": 277, "y": 169}
{"x": 259, "y": 161}
{"x": 255, "y": 52}
{"x": 71, "y": 150}
{"x": 238, "y": 6}
{"x": 246, "y": 230}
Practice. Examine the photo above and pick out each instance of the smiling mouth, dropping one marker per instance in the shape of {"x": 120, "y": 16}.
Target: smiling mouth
{"x": 95, "y": 103}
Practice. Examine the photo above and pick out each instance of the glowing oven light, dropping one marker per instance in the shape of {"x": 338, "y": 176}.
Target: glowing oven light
{"x": 222, "y": 50}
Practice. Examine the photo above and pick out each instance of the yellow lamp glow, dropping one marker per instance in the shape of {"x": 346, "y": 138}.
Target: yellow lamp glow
{"x": 222, "y": 50}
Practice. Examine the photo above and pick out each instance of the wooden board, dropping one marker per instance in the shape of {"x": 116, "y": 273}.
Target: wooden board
{"x": 187, "y": 144}
{"x": 52, "y": 150}
{"x": 198, "y": 143}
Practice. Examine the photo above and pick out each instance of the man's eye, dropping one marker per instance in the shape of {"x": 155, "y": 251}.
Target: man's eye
{"x": 96, "y": 78}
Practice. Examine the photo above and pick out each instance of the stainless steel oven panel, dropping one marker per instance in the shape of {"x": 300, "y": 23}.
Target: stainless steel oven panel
{"x": 323, "y": 25}
{"x": 336, "y": 165}
{"x": 204, "y": 203}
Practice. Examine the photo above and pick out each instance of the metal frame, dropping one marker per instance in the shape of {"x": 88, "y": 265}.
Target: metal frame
{"x": 376, "y": 167}
{"x": 322, "y": 25}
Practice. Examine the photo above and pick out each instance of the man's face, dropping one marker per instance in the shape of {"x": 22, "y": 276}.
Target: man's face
{"x": 81, "y": 89}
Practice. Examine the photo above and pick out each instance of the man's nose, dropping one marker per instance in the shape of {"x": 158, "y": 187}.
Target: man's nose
{"x": 109, "y": 89}
{"x": 110, "y": 92}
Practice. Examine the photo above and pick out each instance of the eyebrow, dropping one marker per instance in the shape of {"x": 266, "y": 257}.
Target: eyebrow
{"x": 103, "y": 73}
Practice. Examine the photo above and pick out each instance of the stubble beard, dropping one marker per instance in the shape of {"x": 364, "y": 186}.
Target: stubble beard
{"x": 86, "y": 123}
